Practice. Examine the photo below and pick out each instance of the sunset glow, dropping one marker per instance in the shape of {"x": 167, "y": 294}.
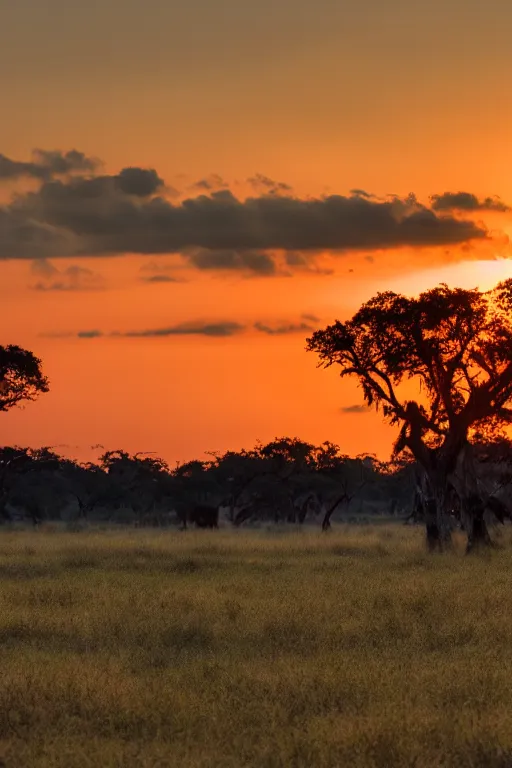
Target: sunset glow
{"x": 190, "y": 217}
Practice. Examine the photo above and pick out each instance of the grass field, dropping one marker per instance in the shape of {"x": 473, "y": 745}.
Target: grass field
{"x": 253, "y": 648}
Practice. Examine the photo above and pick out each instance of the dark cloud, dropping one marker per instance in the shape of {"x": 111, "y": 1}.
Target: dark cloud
{"x": 89, "y": 334}
{"x": 23, "y": 238}
{"x": 46, "y": 164}
{"x": 311, "y": 318}
{"x": 355, "y": 409}
{"x": 107, "y": 221}
{"x": 73, "y": 278}
{"x": 258, "y": 262}
{"x": 129, "y": 213}
{"x": 141, "y": 182}
{"x": 187, "y": 329}
{"x": 466, "y": 201}
{"x": 282, "y": 330}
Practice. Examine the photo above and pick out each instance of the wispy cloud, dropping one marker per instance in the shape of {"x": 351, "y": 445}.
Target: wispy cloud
{"x": 162, "y": 279}
{"x": 355, "y": 409}
{"x": 213, "y": 328}
{"x": 73, "y": 278}
{"x": 282, "y": 329}
{"x": 187, "y": 329}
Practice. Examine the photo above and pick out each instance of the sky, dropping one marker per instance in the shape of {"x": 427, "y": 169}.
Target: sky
{"x": 189, "y": 189}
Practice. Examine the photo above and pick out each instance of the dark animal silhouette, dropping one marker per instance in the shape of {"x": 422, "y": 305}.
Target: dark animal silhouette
{"x": 205, "y": 516}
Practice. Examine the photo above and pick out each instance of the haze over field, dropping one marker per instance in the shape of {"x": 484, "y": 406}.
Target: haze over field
{"x": 216, "y": 181}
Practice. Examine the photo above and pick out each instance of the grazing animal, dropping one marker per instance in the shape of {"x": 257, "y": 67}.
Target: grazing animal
{"x": 205, "y": 516}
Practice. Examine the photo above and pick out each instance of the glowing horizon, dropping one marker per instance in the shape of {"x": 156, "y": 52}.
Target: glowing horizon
{"x": 190, "y": 335}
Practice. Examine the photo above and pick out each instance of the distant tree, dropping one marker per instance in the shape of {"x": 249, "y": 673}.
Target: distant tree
{"x": 344, "y": 478}
{"x": 21, "y": 377}
{"x": 88, "y": 484}
{"x": 139, "y": 481}
{"x": 236, "y": 475}
{"x": 30, "y": 479}
{"x": 454, "y": 347}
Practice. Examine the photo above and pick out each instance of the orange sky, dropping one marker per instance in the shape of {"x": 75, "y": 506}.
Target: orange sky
{"x": 390, "y": 98}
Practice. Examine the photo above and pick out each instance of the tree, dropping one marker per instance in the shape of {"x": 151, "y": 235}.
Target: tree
{"x": 21, "y": 377}
{"x": 141, "y": 482}
{"x": 344, "y": 477}
{"x": 88, "y": 484}
{"x": 452, "y": 350}
{"x": 30, "y": 479}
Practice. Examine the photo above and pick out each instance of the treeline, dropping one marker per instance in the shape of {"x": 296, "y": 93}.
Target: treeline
{"x": 284, "y": 481}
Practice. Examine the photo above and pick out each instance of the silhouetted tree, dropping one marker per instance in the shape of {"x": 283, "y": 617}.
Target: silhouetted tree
{"x": 455, "y": 347}
{"x": 30, "y": 480}
{"x": 21, "y": 377}
{"x": 344, "y": 478}
{"x": 140, "y": 482}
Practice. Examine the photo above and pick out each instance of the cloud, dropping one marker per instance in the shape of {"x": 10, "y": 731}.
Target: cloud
{"x": 46, "y": 164}
{"x": 213, "y": 181}
{"x": 262, "y": 183}
{"x": 194, "y": 328}
{"x": 129, "y": 212}
{"x": 257, "y": 262}
{"x": 311, "y": 318}
{"x": 106, "y": 221}
{"x": 466, "y": 201}
{"x": 362, "y": 193}
{"x": 162, "y": 279}
{"x": 282, "y": 330}
{"x": 214, "y": 328}
{"x": 89, "y": 334}
{"x": 141, "y": 182}
{"x": 302, "y": 262}
{"x": 73, "y": 278}
{"x": 23, "y": 238}
{"x": 355, "y": 409}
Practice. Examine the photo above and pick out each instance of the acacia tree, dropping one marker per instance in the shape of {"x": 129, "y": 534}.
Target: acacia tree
{"x": 453, "y": 349}
{"x": 21, "y": 377}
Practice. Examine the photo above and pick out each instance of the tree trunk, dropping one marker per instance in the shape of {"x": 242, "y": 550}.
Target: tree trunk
{"x": 434, "y": 542}
{"x": 478, "y": 534}
{"x": 326, "y": 522}
{"x": 432, "y": 490}
{"x": 473, "y": 502}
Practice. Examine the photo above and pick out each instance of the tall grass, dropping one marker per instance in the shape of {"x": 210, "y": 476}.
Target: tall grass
{"x": 236, "y": 649}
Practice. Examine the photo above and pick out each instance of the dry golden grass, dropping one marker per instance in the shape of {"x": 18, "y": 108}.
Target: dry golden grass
{"x": 252, "y": 648}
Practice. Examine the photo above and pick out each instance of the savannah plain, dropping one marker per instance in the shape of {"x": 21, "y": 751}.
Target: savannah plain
{"x": 263, "y": 648}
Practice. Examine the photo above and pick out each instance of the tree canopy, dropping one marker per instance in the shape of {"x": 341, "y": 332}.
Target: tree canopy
{"x": 456, "y": 344}
{"x": 21, "y": 377}
{"x": 452, "y": 348}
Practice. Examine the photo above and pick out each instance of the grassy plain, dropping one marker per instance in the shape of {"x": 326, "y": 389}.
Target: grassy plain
{"x": 252, "y": 648}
